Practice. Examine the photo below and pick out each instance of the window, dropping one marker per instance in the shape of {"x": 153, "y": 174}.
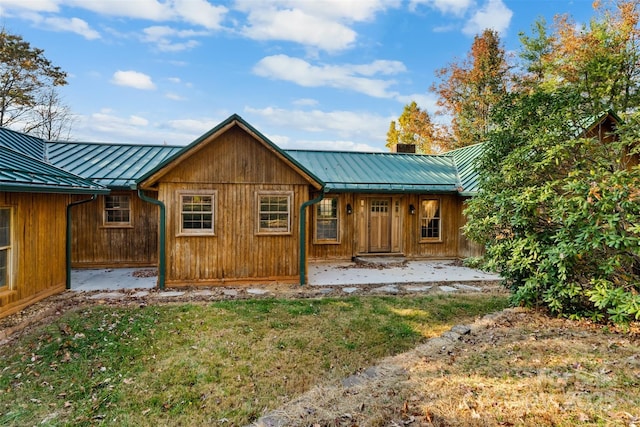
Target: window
{"x": 5, "y": 246}
{"x": 197, "y": 213}
{"x": 430, "y": 219}
{"x": 274, "y": 211}
{"x": 117, "y": 210}
{"x": 327, "y": 220}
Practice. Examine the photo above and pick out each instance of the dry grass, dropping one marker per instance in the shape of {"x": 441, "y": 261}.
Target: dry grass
{"x": 219, "y": 363}
{"x": 518, "y": 369}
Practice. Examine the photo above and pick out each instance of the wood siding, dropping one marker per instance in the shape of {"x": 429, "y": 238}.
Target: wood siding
{"x": 405, "y": 229}
{"x": 237, "y": 168}
{"x": 38, "y": 230}
{"x": 96, "y": 245}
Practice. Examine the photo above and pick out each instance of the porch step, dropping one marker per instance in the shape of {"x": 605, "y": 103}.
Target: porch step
{"x": 380, "y": 261}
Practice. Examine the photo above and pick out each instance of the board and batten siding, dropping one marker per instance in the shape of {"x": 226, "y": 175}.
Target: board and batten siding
{"x": 38, "y": 230}
{"x": 404, "y": 228}
{"x": 236, "y": 168}
{"x": 95, "y": 245}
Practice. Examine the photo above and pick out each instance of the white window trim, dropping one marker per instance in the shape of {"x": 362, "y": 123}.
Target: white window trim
{"x": 430, "y": 239}
{"x": 335, "y": 241}
{"x": 123, "y": 224}
{"x": 260, "y": 194}
{"x": 214, "y": 216}
{"x": 9, "y": 285}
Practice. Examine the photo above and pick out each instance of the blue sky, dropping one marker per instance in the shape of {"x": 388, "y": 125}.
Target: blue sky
{"x": 315, "y": 74}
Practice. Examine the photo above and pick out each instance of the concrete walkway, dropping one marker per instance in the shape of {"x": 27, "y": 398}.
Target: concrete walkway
{"x": 325, "y": 274}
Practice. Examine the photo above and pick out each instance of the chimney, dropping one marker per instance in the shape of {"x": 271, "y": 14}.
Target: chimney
{"x": 404, "y": 148}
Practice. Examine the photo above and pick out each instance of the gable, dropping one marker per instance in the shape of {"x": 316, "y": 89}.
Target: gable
{"x": 234, "y": 158}
{"x": 232, "y": 152}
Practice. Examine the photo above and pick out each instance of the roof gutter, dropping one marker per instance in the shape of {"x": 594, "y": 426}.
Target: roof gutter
{"x": 303, "y": 235}
{"x": 68, "y": 236}
{"x": 163, "y": 251}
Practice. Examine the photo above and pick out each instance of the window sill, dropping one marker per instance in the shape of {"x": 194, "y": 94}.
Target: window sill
{"x": 201, "y": 234}
{"x": 430, "y": 241}
{"x": 326, "y": 242}
{"x": 116, "y": 226}
{"x": 274, "y": 233}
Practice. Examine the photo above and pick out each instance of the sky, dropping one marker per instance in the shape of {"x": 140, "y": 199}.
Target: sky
{"x": 307, "y": 74}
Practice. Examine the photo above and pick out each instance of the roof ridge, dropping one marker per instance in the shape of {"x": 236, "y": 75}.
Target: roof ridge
{"x": 116, "y": 144}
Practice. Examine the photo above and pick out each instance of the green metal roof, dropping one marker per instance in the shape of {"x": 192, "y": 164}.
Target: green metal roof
{"x": 380, "y": 172}
{"x": 21, "y": 173}
{"x": 464, "y": 159}
{"x": 22, "y": 143}
{"x": 111, "y": 165}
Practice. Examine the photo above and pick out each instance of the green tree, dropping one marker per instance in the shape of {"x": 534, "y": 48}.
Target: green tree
{"x": 468, "y": 90}
{"x": 559, "y": 209}
{"x": 414, "y": 126}
{"x": 24, "y": 74}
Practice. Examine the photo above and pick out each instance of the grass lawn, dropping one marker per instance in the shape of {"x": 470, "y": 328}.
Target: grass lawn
{"x": 219, "y": 363}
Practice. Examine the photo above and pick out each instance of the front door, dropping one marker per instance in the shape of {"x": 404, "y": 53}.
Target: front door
{"x": 380, "y": 225}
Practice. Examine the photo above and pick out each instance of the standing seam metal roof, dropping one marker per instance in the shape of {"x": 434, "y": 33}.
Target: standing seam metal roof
{"x": 22, "y": 143}
{"x": 21, "y": 173}
{"x": 112, "y": 165}
{"x": 380, "y": 172}
{"x": 465, "y": 160}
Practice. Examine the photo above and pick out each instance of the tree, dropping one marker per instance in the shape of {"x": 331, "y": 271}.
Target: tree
{"x": 468, "y": 90}
{"x": 559, "y": 209}
{"x": 50, "y": 119}
{"x": 414, "y": 126}
{"x": 24, "y": 74}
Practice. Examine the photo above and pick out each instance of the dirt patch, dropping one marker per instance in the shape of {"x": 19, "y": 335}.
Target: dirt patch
{"x": 517, "y": 367}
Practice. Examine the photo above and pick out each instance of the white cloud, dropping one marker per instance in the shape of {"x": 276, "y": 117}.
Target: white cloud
{"x": 296, "y": 26}
{"x": 454, "y": 7}
{"x": 321, "y": 24}
{"x": 72, "y": 25}
{"x": 108, "y": 126}
{"x": 305, "y": 102}
{"x": 347, "y": 125}
{"x": 133, "y": 79}
{"x": 193, "y": 126}
{"x": 200, "y": 12}
{"x": 425, "y": 101}
{"x": 162, "y": 37}
{"x": 351, "y": 77}
{"x": 32, "y": 5}
{"x": 174, "y": 96}
{"x": 494, "y": 14}
{"x": 195, "y": 12}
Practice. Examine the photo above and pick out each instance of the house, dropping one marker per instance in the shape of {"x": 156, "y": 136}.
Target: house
{"x": 35, "y": 200}
{"x": 236, "y": 207}
{"x": 233, "y": 207}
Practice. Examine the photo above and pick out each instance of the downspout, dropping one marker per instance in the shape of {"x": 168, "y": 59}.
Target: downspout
{"x": 303, "y": 236}
{"x": 68, "y": 237}
{"x": 162, "y": 254}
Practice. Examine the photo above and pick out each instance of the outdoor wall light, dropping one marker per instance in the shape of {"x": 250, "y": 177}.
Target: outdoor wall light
{"x": 349, "y": 209}
{"x": 412, "y": 209}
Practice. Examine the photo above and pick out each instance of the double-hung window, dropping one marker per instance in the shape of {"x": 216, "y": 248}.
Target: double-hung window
{"x": 430, "y": 220}
{"x": 274, "y": 212}
{"x": 327, "y": 221}
{"x": 197, "y": 212}
{"x": 5, "y": 247}
{"x": 117, "y": 210}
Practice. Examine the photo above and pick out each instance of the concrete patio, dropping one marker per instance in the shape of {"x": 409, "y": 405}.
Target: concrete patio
{"x": 324, "y": 274}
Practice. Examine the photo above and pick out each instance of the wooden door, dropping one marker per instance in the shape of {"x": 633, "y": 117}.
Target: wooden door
{"x": 380, "y": 225}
